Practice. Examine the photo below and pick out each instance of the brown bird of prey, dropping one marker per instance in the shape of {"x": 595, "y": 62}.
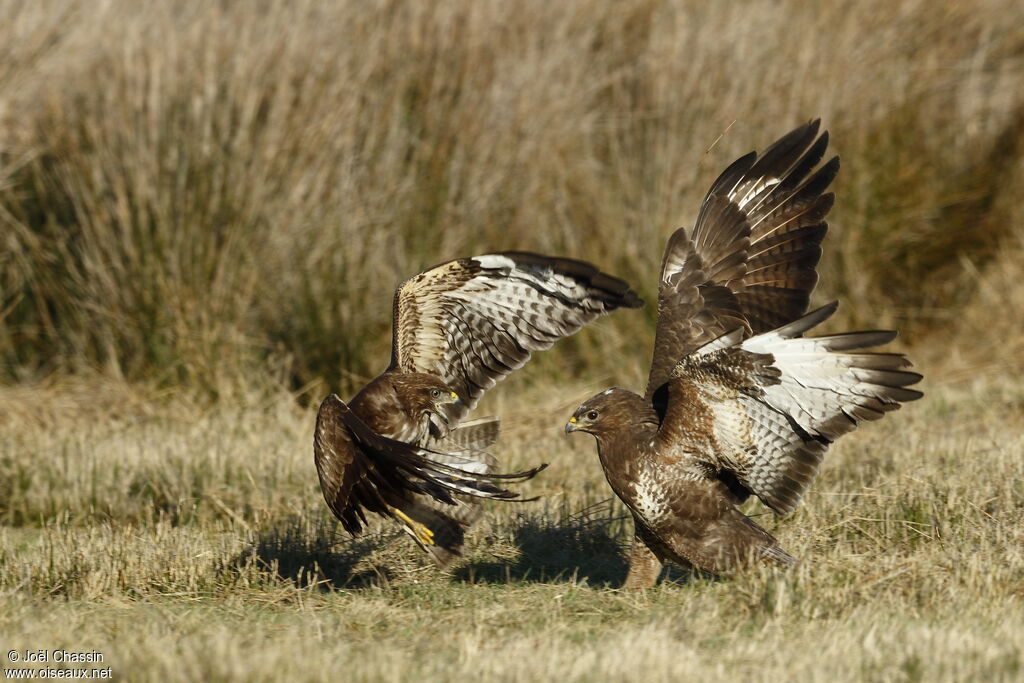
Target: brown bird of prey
{"x": 738, "y": 402}
{"x": 400, "y": 448}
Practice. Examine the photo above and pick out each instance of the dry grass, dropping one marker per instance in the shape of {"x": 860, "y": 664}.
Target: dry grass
{"x": 204, "y": 210}
{"x": 195, "y": 192}
{"x": 228, "y": 566}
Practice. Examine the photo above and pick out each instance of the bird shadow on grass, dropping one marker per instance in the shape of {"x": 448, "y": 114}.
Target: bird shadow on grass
{"x": 588, "y": 546}
{"x": 310, "y": 554}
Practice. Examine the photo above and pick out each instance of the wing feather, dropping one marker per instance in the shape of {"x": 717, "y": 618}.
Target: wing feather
{"x": 692, "y": 310}
{"x": 766, "y": 408}
{"x": 472, "y": 321}
{"x": 757, "y": 237}
{"x": 362, "y": 470}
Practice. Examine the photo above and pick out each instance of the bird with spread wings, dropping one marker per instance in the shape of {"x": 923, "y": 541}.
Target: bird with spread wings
{"x": 738, "y": 401}
{"x": 401, "y": 448}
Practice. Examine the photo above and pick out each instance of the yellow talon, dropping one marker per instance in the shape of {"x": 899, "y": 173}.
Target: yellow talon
{"x": 422, "y": 532}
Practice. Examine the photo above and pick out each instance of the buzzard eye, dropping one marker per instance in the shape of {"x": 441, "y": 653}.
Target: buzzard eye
{"x": 435, "y": 393}
{"x": 592, "y": 415}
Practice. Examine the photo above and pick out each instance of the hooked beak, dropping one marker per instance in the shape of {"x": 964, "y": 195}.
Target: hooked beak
{"x": 571, "y": 426}
{"x": 452, "y": 399}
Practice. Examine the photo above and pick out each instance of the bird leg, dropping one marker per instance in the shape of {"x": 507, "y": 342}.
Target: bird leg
{"x": 420, "y": 531}
{"x": 644, "y": 566}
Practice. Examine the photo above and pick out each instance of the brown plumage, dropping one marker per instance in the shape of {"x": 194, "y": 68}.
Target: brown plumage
{"x": 401, "y": 448}
{"x": 738, "y": 402}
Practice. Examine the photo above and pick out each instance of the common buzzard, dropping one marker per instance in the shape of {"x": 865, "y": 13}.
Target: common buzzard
{"x": 400, "y": 448}
{"x": 738, "y": 402}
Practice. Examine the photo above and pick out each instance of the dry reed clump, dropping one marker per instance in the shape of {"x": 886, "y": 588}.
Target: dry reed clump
{"x": 189, "y": 191}
{"x": 203, "y": 203}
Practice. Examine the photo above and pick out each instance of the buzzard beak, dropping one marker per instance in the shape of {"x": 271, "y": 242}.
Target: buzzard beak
{"x": 451, "y": 399}
{"x": 440, "y": 417}
{"x": 571, "y": 426}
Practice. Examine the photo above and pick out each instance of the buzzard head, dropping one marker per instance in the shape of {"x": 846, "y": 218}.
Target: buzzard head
{"x": 426, "y": 397}
{"x": 608, "y": 412}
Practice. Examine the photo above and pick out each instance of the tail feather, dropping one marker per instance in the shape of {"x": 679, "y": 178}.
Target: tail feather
{"x": 777, "y": 555}
{"x": 420, "y": 470}
{"x": 471, "y": 435}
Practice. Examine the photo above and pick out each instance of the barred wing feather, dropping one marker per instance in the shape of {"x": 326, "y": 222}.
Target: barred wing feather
{"x": 774, "y": 402}
{"x": 472, "y": 321}
{"x": 752, "y": 252}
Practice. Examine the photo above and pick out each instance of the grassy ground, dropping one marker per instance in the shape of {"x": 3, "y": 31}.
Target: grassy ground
{"x": 204, "y": 208}
{"x": 187, "y": 544}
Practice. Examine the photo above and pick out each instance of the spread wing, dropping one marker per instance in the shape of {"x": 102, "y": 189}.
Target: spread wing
{"x": 361, "y": 470}
{"x": 751, "y": 257}
{"x": 474, "y": 320}
{"x": 765, "y": 409}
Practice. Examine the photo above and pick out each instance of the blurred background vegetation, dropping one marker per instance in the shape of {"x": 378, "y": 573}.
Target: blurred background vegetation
{"x": 206, "y": 205}
{"x": 197, "y": 194}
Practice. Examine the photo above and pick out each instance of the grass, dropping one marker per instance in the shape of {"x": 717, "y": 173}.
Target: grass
{"x": 911, "y": 544}
{"x": 205, "y": 207}
{"x": 197, "y": 193}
